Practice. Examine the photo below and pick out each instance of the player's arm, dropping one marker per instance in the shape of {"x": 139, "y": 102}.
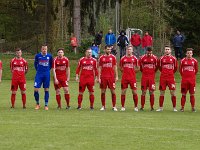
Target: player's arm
{"x": 156, "y": 64}
{"x": 140, "y": 64}
{"x": 54, "y": 71}
{"x": 95, "y": 71}
{"x": 137, "y": 66}
{"x": 99, "y": 74}
{"x": 175, "y": 65}
{"x": 50, "y": 62}
{"x": 116, "y": 72}
{"x": 181, "y": 68}
{"x": 11, "y": 66}
{"x": 26, "y": 67}
{"x": 196, "y": 67}
{"x": 78, "y": 69}
{"x": 160, "y": 64}
{"x": 68, "y": 74}
{"x": 121, "y": 65}
{"x": 36, "y": 62}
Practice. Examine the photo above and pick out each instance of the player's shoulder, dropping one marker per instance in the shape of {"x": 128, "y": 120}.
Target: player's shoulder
{"x": 101, "y": 56}
{"x": 154, "y": 56}
{"x": 113, "y": 56}
{"x": 82, "y": 58}
{"x": 93, "y": 59}
{"x": 64, "y": 57}
{"x": 123, "y": 57}
{"x": 194, "y": 59}
{"x": 24, "y": 60}
{"x": 13, "y": 59}
{"x": 142, "y": 57}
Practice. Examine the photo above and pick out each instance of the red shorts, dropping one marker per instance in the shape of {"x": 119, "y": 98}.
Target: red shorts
{"x": 167, "y": 82}
{"x": 187, "y": 85}
{"x": 148, "y": 84}
{"x": 60, "y": 84}
{"x": 107, "y": 82}
{"x": 16, "y": 83}
{"x": 125, "y": 83}
{"x": 84, "y": 84}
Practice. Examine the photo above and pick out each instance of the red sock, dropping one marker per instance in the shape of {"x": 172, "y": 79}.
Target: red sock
{"x": 161, "y": 100}
{"x": 152, "y": 100}
{"x": 58, "y": 99}
{"x": 173, "y": 101}
{"x": 123, "y": 97}
{"x": 183, "y": 99}
{"x": 113, "y": 100}
{"x": 192, "y": 100}
{"x": 135, "y": 98}
{"x": 142, "y": 101}
{"x": 80, "y": 98}
{"x": 13, "y": 99}
{"x": 103, "y": 99}
{"x": 67, "y": 99}
{"x": 24, "y": 99}
{"x": 91, "y": 100}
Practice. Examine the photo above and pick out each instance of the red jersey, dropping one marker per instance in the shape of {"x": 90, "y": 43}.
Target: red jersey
{"x": 0, "y": 65}
{"x": 146, "y": 41}
{"x": 167, "y": 66}
{"x": 88, "y": 69}
{"x": 188, "y": 69}
{"x": 148, "y": 66}
{"x": 107, "y": 63}
{"x": 128, "y": 64}
{"x": 135, "y": 39}
{"x": 60, "y": 65}
{"x": 18, "y": 68}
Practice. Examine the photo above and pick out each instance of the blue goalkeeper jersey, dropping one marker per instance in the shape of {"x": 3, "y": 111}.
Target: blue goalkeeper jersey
{"x": 43, "y": 63}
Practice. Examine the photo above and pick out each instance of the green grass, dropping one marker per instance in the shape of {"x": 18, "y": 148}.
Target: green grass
{"x": 72, "y": 129}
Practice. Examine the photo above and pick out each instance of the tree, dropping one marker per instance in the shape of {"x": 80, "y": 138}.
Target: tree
{"x": 77, "y": 20}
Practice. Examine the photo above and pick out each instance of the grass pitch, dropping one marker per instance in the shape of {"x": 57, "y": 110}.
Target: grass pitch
{"x": 84, "y": 129}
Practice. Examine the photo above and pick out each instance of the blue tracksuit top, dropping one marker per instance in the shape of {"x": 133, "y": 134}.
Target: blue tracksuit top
{"x": 110, "y": 39}
{"x": 43, "y": 63}
{"x": 178, "y": 40}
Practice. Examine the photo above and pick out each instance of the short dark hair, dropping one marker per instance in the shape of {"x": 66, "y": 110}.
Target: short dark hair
{"x": 149, "y": 49}
{"x": 189, "y": 49}
{"x": 108, "y": 46}
{"x": 18, "y": 49}
{"x": 59, "y": 49}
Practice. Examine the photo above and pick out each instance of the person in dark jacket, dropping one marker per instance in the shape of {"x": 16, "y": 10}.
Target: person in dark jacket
{"x": 178, "y": 41}
{"x": 122, "y": 42}
{"x": 98, "y": 38}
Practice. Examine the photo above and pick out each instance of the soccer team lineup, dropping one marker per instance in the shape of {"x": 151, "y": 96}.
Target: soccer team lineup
{"x": 104, "y": 71}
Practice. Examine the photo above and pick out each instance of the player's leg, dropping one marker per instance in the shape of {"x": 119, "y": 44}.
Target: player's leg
{"x": 152, "y": 88}
{"x": 90, "y": 87}
{"x": 124, "y": 86}
{"x": 58, "y": 98}
{"x": 14, "y": 87}
{"x": 172, "y": 88}
{"x": 162, "y": 88}
{"x": 133, "y": 86}
{"x": 66, "y": 93}
{"x": 82, "y": 87}
{"x": 111, "y": 86}
{"x": 22, "y": 86}
{"x": 144, "y": 85}
{"x": 184, "y": 90}
{"x": 46, "y": 84}
{"x": 173, "y": 98}
{"x": 192, "y": 97}
{"x": 123, "y": 98}
{"x": 103, "y": 86}
{"x": 37, "y": 85}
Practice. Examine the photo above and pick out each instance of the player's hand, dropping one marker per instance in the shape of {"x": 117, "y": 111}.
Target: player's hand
{"x": 77, "y": 79}
{"x": 98, "y": 80}
{"x": 56, "y": 81}
{"x": 116, "y": 79}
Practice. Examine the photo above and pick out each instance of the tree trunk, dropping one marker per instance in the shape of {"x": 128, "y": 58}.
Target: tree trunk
{"x": 77, "y": 20}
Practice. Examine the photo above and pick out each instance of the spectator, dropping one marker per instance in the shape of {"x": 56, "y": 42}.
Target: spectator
{"x": 136, "y": 41}
{"x": 110, "y": 38}
{"x": 98, "y": 38}
{"x": 146, "y": 42}
{"x": 73, "y": 42}
{"x": 122, "y": 42}
{"x": 95, "y": 51}
{"x": 178, "y": 44}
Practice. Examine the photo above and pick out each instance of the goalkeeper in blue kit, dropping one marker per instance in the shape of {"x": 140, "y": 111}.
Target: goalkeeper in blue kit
{"x": 42, "y": 64}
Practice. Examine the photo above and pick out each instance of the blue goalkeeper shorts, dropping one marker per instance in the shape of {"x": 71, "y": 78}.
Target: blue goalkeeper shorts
{"x": 42, "y": 78}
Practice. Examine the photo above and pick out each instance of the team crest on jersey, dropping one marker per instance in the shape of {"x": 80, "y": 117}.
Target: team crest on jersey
{"x": 125, "y": 59}
{"x": 91, "y": 62}
{"x": 145, "y": 60}
{"x": 21, "y": 62}
{"x": 151, "y": 59}
{"x": 63, "y": 61}
{"x": 193, "y": 62}
{"x": 84, "y": 62}
{"x": 47, "y": 57}
{"x": 110, "y": 58}
{"x": 15, "y": 63}
{"x": 170, "y": 59}
{"x": 185, "y": 63}
{"x": 104, "y": 59}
